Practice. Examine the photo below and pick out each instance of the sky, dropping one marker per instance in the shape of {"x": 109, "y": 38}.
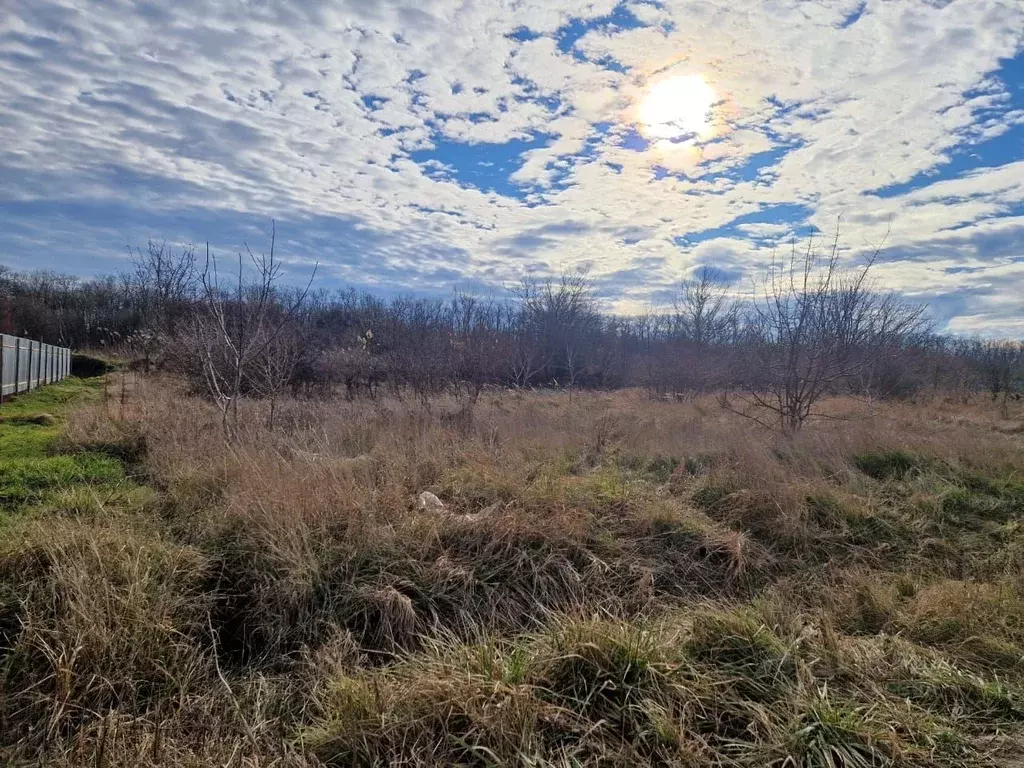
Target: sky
{"x": 422, "y": 145}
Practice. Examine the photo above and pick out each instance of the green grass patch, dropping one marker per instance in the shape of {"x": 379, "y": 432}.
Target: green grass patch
{"x": 948, "y": 691}
{"x": 832, "y": 733}
{"x": 756, "y": 663}
{"x": 29, "y": 480}
{"x": 30, "y": 423}
{"x": 53, "y": 399}
{"x": 886, "y": 465}
{"x": 710, "y": 496}
{"x": 657, "y": 468}
{"x": 21, "y": 440}
{"x": 30, "y": 426}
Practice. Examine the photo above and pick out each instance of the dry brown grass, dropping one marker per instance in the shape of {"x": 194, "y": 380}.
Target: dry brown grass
{"x": 617, "y": 581}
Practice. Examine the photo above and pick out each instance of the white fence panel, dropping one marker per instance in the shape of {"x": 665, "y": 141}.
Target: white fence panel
{"x": 27, "y": 364}
{"x": 9, "y": 364}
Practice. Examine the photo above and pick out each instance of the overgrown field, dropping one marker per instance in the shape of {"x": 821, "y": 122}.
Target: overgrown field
{"x": 612, "y": 582}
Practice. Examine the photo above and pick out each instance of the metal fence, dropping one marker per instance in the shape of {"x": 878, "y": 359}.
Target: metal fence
{"x": 28, "y": 364}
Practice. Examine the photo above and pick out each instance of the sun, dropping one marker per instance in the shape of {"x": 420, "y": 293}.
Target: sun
{"x": 678, "y": 106}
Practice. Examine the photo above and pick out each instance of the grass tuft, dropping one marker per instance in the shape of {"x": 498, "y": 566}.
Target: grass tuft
{"x": 886, "y": 465}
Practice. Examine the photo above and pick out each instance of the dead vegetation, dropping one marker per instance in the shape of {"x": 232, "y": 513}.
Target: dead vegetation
{"x": 611, "y": 581}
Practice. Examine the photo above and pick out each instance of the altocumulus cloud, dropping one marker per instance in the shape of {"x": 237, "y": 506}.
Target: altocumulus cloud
{"x": 413, "y": 144}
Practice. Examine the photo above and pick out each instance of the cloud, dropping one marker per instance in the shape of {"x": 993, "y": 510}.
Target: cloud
{"x": 412, "y": 144}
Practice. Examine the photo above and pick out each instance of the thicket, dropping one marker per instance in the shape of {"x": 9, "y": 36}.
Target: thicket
{"x": 809, "y": 328}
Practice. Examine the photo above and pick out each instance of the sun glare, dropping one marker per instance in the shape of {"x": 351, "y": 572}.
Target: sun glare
{"x": 676, "y": 107}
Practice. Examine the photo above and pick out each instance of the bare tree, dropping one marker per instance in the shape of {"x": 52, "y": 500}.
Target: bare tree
{"x": 558, "y": 318}
{"x": 528, "y": 354}
{"x": 162, "y": 276}
{"x": 233, "y": 328}
{"x": 704, "y": 312}
{"x": 476, "y": 347}
{"x": 1002, "y": 369}
{"x": 829, "y": 330}
{"x": 162, "y": 284}
{"x": 813, "y": 330}
{"x": 274, "y": 367}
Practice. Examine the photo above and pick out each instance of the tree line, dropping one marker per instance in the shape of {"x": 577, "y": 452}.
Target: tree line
{"x": 808, "y": 328}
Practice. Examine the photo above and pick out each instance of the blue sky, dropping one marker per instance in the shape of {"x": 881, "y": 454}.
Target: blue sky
{"x": 416, "y": 145}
